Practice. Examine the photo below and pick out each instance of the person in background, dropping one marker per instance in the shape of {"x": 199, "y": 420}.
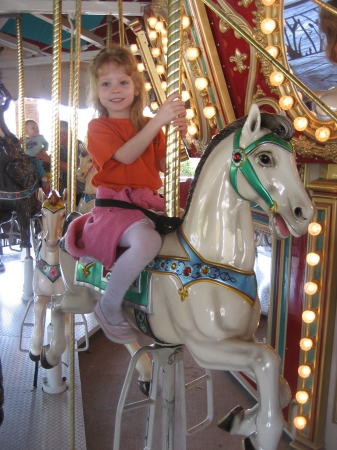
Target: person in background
{"x": 35, "y": 144}
{"x": 128, "y": 151}
{"x": 328, "y": 26}
{"x": 64, "y": 160}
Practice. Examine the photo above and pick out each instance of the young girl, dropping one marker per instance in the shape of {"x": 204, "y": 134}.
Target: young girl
{"x": 128, "y": 151}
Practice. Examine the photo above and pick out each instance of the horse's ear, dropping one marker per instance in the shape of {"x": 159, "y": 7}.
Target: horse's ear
{"x": 252, "y": 126}
{"x": 65, "y": 195}
{"x": 41, "y": 195}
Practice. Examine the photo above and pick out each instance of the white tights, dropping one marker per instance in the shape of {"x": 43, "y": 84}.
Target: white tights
{"x": 143, "y": 244}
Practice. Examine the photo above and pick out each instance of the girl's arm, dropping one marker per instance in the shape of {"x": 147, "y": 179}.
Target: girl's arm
{"x": 173, "y": 110}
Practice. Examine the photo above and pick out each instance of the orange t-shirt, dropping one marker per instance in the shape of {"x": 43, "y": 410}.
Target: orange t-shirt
{"x": 105, "y": 137}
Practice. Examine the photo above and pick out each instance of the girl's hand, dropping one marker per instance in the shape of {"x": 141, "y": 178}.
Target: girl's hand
{"x": 43, "y": 156}
{"x": 173, "y": 110}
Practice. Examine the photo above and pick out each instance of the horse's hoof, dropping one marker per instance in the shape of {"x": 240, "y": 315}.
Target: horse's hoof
{"x": 33, "y": 357}
{"x": 144, "y": 387}
{"x": 247, "y": 444}
{"x": 44, "y": 363}
{"x": 226, "y": 422}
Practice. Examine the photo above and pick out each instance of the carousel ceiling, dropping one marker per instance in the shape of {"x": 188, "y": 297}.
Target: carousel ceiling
{"x": 37, "y": 40}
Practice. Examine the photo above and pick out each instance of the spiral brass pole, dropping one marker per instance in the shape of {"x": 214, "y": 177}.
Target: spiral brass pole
{"x": 22, "y": 125}
{"x": 70, "y": 119}
{"x": 174, "y": 69}
{"x": 120, "y": 22}
{"x": 108, "y": 31}
{"x": 56, "y": 95}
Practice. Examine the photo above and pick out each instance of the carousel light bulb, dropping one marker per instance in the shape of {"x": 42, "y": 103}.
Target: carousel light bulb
{"x": 301, "y": 123}
{"x": 192, "y": 53}
{"x": 134, "y": 48}
{"x": 314, "y": 228}
{"x": 154, "y": 106}
{"x": 268, "y": 2}
{"x": 165, "y": 49}
{"x": 273, "y": 51}
{"x": 155, "y": 52}
{"x": 302, "y": 397}
{"x": 313, "y": 259}
{"x": 190, "y": 113}
{"x": 160, "y": 69}
{"x": 164, "y": 85}
{"x": 322, "y": 134}
{"x": 163, "y": 32}
{"x": 201, "y": 83}
{"x": 300, "y": 422}
{"x": 148, "y": 86}
{"x": 140, "y": 67}
{"x": 152, "y": 21}
{"x": 276, "y": 78}
{"x": 306, "y": 344}
{"x": 186, "y": 22}
{"x": 192, "y": 129}
{"x": 310, "y": 288}
{"x": 209, "y": 112}
{"x": 304, "y": 371}
{"x": 152, "y": 35}
{"x": 164, "y": 40}
{"x": 286, "y": 102}
{"x": 268, "y": 26}
{"x": 159, "y": 26}
{"x": 308, "y": 316}
{"x": 185, "y": 96}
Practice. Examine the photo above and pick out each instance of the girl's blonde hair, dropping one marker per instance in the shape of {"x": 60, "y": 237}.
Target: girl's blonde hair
{"x": 121, "y": 57}
{"x": 328, "y": 25}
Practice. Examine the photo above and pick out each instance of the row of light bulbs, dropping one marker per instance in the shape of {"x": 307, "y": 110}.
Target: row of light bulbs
{"x": 308, "y": 316}
{"x": 286, "y": 102}
{"x": 157, "y": 29}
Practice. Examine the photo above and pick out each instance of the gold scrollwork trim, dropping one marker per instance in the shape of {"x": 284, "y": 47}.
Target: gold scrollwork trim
{"x": 309, "y": 149}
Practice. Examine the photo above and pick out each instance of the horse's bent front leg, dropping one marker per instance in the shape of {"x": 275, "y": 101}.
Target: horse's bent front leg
{"x": 264, "y": 422}
{"x": 143, "y": 366}
{"x": 40, "y": 307}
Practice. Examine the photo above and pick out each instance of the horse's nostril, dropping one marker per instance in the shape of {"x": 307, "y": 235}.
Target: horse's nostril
{"x": 298, "y": 212}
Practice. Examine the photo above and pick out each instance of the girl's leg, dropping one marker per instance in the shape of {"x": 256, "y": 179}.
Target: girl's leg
{"x": 143, "y": 244}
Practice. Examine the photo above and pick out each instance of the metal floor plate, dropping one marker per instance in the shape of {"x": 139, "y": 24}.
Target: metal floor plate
{"x": 34, "y": 420}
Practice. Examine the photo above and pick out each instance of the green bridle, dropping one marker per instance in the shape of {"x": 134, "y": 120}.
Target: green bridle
{"x": 241, "y": 162}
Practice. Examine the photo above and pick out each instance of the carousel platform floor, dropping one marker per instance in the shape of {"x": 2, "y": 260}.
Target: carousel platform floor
{"x": 36, "y": 420}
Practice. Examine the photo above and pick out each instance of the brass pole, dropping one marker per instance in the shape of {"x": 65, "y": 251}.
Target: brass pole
{"x": 70, "y": 120}
{"x": 121, "y": 23}
{"x": 21, "y": 119}
{"x": 174, "y": 69}
{"x": 56, "y": 95}
{"x": 326, "y": 6}
{"x": 108, "y": 31}
{"x": 302, "y": 87}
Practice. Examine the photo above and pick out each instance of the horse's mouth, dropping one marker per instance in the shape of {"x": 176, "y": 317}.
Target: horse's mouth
{"x": 280, "y": 226}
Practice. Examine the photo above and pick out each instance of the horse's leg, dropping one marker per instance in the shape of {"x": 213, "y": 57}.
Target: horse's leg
{"x": 64, "y": 303}
{"x": 40, "y": 306}
{"x": 243, "y": 421}
{"x": 237, "y": 355}
{"x": 143, "y": 366}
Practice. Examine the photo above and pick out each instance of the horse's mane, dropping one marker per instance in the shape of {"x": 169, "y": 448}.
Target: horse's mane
{"x": 280, "y": 125}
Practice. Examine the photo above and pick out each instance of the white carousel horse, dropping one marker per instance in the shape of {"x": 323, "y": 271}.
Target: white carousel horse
{"x": 202, "y": 290}
{"x": 47, "y": 274}
{"x": 84, "y": 174}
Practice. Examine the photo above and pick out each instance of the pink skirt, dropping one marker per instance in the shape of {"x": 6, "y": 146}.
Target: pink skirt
{"x": 97, "y": 234}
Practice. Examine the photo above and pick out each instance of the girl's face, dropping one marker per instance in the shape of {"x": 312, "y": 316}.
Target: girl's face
{"x": 116, "y": 91}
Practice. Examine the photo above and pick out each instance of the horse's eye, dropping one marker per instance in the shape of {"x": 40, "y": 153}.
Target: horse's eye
{"x": 265, "y": 160}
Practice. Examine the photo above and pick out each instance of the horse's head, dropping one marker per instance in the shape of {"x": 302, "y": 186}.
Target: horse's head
{"x": 263, "y": 170}
{"x": 53, "y": 216}
{"x": 86, "y": 165}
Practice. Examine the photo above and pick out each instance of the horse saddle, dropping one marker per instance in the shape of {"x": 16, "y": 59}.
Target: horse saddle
{"x": 21, "y": 171}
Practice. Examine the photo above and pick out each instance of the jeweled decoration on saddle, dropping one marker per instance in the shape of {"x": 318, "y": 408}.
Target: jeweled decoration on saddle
{"x": 19, "y": 195}
{"x": 52, "y": 272}
{"x": 194, "y": 269}
{"x": 88, "y": 197}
